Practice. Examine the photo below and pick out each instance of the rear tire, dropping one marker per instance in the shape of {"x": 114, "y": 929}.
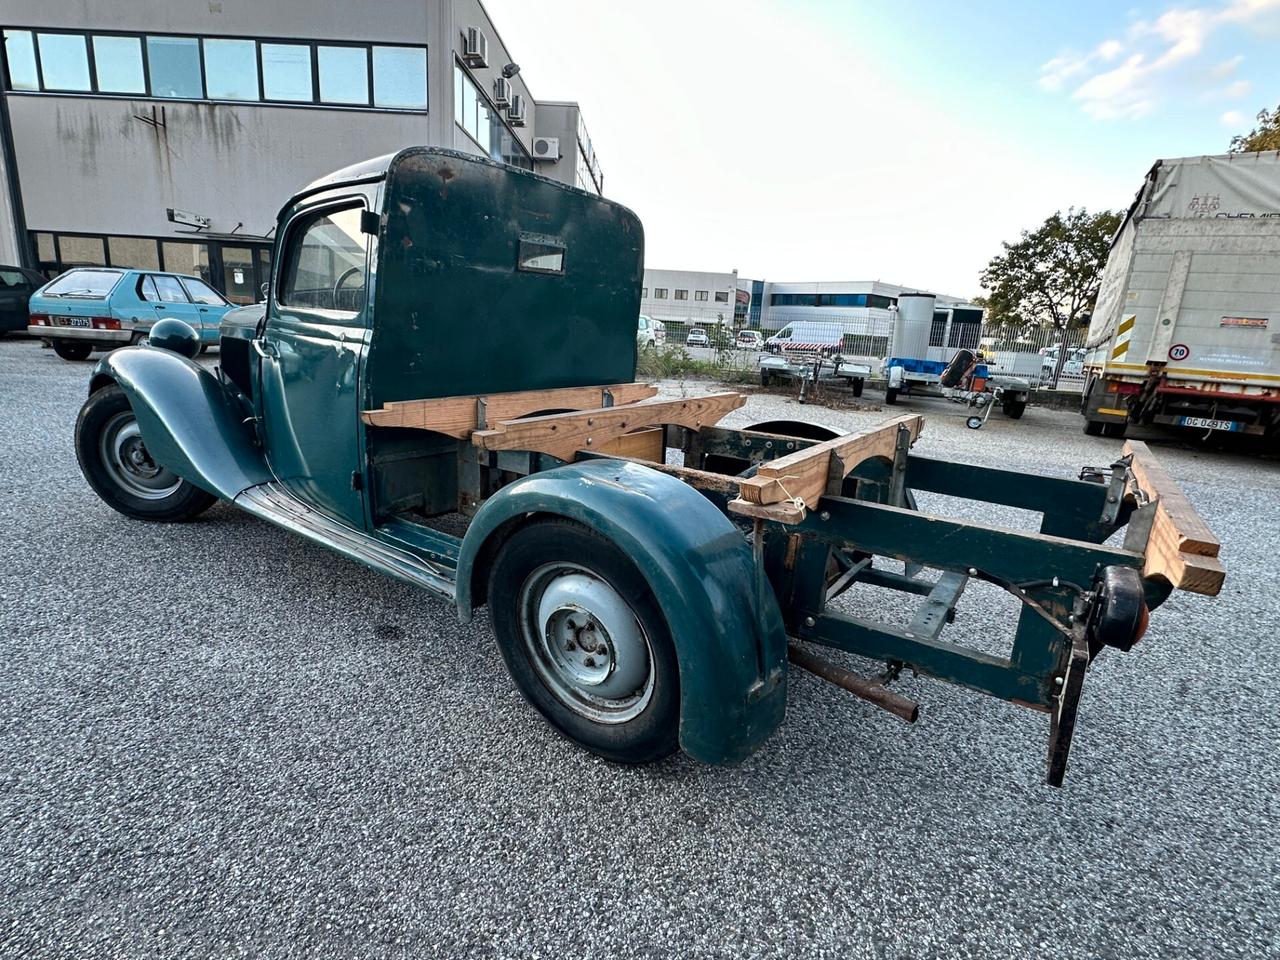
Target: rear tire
{"x": 1114, "y": 429}
{"x": 121, "y": 472}
{"x": 585, "y": 641}
{"x": 857, "y": 386}
{"x": 1093, "y": 427}
{"x": 1014, "y": 409}
{"x": 72, "y": 349}
{"x": 890, "y": 395}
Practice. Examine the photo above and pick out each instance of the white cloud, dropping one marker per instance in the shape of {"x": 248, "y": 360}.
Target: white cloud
{"x": 1232, "y": 118}
{"x": 1156, "y": 52}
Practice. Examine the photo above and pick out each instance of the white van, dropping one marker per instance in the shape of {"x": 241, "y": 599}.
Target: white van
{"x": 811, "y": 350}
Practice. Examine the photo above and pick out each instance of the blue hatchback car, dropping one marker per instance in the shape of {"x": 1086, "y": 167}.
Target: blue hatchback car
{"x": 108, "y": 307}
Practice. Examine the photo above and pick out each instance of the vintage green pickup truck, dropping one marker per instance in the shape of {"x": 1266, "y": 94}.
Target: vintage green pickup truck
{"x": 447, "y": 337}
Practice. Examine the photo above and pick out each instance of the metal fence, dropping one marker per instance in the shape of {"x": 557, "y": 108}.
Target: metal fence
{"x": 1029, "y": 353}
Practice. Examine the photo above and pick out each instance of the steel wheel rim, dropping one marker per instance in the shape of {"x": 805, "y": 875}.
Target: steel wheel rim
{"x": 128, "y": 463}
{"x": 585, "y": 643}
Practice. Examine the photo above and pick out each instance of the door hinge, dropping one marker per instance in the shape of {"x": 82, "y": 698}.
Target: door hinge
{"x": 357, "y": 480}
{"x": 369, "y": 222}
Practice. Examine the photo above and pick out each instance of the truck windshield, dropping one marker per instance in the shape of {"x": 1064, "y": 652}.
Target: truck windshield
{"x": 89, "y": 284}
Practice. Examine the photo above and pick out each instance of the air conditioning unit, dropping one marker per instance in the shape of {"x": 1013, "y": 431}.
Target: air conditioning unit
{"x": 546, "y": 149}
{"x": 501, "y": 92}
{"x": 475, "y": 50}
{"x": 515, "y": 112}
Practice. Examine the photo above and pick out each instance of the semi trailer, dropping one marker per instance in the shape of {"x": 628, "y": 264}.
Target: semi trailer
{"x": 1182, "y": 335}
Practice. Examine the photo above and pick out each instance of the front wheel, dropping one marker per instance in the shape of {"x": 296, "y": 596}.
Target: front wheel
{"x": 72, "y": 349}
{"x": 121, "y": 471}
{"x": 585, "y": 641}
{"x": 890, "y": 395}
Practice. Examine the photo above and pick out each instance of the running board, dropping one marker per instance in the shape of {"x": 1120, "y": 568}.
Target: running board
{"x": 272, "y": 502}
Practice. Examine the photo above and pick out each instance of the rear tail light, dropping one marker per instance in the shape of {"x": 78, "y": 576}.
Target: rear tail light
{"x": 38, "y": 320}
{"x": 105, "y": 323}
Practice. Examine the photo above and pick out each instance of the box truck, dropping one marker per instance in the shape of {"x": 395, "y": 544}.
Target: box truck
{"x": 1182, "y": 333}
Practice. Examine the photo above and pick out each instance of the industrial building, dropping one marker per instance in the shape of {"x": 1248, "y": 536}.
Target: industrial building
{"x": 166, "y": 134}
{"x": 689, "y": 296}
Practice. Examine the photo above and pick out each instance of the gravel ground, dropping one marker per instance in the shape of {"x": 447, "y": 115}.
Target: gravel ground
{"x": 218, "y": 740}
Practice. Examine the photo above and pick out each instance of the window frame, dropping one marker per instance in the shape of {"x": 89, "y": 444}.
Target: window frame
{"x": 141, "y": 38}
{"x": 660, "y": 293}
{"x": 294, "y": 230}
{"x": 681, "y": 295}
{"x": 314, "y": 102}
{"x": 482, "y": 96}
{"x": 700, "y": 296}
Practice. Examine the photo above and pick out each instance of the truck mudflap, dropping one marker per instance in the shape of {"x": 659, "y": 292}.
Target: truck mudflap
{"x": 827, "y": 514}
{"x": 725, "y": 622}
{"x": 189, "y": 421}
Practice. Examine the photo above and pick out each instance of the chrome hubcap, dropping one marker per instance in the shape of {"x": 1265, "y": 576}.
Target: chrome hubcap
{"x": 585, "y": 643}
{"x": 129, "y": 464}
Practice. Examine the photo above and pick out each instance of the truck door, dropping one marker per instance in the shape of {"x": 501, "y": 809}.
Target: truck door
{"x": 313, "y": 342}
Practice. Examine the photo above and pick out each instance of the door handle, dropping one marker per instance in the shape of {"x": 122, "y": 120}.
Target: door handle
{"x": 265, "y": 350}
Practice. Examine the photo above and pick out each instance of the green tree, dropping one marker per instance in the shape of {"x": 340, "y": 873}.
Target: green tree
{"x": 1051, "y": 274}
{"x": 1265, "y": 136}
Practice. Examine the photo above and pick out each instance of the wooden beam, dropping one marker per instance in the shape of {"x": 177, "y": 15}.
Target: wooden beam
{"x": 563, "y": 434}
{"x": 644, "y": 445}
{"x": 1181, "y": 547}
{"x": 804, "y": 475}
{"x": 457, "y": 416}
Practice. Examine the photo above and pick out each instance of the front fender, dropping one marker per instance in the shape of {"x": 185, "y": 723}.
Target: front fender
{"x": 730, "y": 643}
{"x": 189, "y": 421}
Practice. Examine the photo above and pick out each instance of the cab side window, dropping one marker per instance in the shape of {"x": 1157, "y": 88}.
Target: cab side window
{"x": 324, "y": 264}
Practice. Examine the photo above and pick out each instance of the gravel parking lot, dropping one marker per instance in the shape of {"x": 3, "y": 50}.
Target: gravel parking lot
{"x": 218, "y": 740}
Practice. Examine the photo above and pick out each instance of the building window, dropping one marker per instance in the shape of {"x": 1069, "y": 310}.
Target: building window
{"x": 644, "y": 293}
{"x": 700, "y": 295}
{"x": 231, "y": 69}
{"x": 189, "y": 258}
{"x": 226, "y": 68}
{"x": 400, "y": 77}
{"x": 344, "y": 75}
{"x": 659, "y": 293}
{"x": 20, "y": 50}
{"x": 135, "y": 252}
{"x": 682, "y": 294}
{"x": 81, "y": 252}
{"x": 118, "y": 64}
{"x": 483, "y": 124}
{"x": 174, "y": 64}
{"x": 64, "y": 62}
{"x": 722, "y": 296}
{"x": 286, "y": 72}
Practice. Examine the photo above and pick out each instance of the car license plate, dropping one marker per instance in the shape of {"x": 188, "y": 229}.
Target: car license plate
{"x": 74, "y": 322}
{"x": 1206, "y": 424}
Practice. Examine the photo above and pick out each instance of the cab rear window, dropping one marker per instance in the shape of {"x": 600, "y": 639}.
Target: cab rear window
{"x": 87, "y": 284}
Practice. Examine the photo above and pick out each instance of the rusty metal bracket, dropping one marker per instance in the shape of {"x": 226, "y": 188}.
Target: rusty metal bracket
{"x": 482, "y": 422}
{"x": 606, "y": 397}
{"x": 898, "y": 483}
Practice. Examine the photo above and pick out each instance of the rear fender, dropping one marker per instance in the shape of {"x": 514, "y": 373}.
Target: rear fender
{"x": 189, "y": 421}
{"x": 730, "y": 643}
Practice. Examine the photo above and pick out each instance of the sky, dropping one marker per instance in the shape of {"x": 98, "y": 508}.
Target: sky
{"x": 894, "y": 140}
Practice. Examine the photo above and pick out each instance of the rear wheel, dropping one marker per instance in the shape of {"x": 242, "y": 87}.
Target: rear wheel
{"x": 1014, "y": 409}
{"x": 764, "y": 378}
{"x": 121, "y": 471}
{"x": 1093, "y": 427}
{"x": 891, "y": 395}
{"x": 585, "y": 640}
{"x": 1114, "y": 429}
{"x": 72, "y": 349}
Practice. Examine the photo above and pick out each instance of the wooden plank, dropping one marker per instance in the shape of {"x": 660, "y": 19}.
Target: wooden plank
{"x": 698, "y": 479}
{"x": 804, "y": 474}
{"x": 456, "y": 416}
{"x": 646, "y": 445}
{"x": 1192, "y": 534}
{"x": 1181, "y": 547}
{"x": 561, "y": 435}
{"x": 784, "y": 512}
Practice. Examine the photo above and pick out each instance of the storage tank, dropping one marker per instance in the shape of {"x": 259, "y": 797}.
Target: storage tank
{"x": 912, "y": 324}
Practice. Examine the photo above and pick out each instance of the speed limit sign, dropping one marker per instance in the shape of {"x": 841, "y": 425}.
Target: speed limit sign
{"x": 1179, "y": 351}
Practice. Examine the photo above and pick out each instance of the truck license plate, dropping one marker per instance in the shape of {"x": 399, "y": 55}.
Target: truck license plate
{"x": 1206, "y": 424}
{"x": 73, "y": 321}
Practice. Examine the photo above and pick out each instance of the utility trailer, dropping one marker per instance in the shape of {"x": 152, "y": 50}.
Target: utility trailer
{"x": 449, "y": 338}
{"x": 1182, "y": 334}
